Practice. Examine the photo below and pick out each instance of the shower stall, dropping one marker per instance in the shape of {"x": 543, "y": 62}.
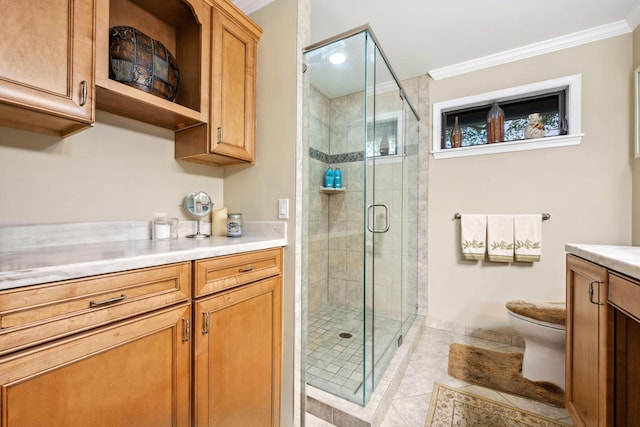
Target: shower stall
{"x": 359, "y": 248}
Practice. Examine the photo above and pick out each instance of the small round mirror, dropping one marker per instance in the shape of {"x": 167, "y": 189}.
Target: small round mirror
{"x": 198, "y": 204}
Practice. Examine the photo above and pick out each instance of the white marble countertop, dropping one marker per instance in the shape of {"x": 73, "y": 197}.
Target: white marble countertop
{"x": 623, "y": 259}
{"x": 24, "y": 266}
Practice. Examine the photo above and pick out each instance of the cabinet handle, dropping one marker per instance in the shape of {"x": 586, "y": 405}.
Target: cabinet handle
{"x": 220, "y": 134}
{"x": 187, "y": 330}
{"x": 246, "y": 269}
{"x": 591, "y": 293}
{"x": 83, "y": 96}
{"x": 207, "y": 323}
{"x": 107, "y": 301}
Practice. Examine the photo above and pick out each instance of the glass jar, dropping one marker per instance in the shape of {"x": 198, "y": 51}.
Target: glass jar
{"x": 234, "y": 225}
{"x": 164, "y": 228}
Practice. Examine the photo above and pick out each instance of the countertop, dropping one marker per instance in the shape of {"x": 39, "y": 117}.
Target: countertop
{"x": 74, "y": 258}
{"x": 623, "y": 259}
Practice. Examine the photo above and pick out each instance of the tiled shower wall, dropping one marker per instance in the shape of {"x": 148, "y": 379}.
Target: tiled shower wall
{"x": 316, "y": 225}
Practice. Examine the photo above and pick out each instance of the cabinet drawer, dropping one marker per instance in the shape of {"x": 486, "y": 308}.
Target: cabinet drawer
{"x": 624, "y": 293}
{"x": 225, "y": 272}
{"x": 35, "y": 314}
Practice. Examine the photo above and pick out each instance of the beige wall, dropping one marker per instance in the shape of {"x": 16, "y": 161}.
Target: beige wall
{"x": 635, "y": 162}
{"x": 585, "y": 188}
{"x": 118, "y": 170}
{"x": 255, "y": 190}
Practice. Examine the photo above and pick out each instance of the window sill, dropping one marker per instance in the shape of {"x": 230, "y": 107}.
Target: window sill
{"x": 506, "y": 147}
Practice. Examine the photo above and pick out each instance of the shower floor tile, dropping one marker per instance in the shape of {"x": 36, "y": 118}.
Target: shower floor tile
{"x": 335, "y": 364}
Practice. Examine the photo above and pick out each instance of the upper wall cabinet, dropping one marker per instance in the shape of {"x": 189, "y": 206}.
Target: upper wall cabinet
{"x": 183, "y": 27}
{"x": 229, "y": 137}
{"x": 47, "y": 65}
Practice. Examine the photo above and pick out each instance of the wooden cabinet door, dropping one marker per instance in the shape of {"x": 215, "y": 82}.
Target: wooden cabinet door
{"x": 588, "y": 341}
{"x": 233, "y": 89}
{"x": 237, "y": 356}
{"x": 47, "y": 66}
{"x": 134, "y": 373}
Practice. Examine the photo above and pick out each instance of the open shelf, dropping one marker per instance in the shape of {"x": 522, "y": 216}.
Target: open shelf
{"x": 183, "y": 26}
{"x": 326, "y": 190}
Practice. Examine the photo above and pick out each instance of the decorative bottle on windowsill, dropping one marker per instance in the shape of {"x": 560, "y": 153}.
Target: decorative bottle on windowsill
{"x": 456, "y": 135}
{"x": 384, "y": 145}
{"x": 495, "y": 124}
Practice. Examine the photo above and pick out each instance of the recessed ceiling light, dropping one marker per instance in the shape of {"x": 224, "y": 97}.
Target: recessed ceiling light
{"x": 337, "y": 58}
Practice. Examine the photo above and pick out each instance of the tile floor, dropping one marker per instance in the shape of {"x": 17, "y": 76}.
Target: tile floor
{"x": 335, "y": 363}
{"x": 428, "y": 364}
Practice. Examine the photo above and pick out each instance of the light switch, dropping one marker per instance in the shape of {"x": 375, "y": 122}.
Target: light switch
{"x": 283, "y": 208}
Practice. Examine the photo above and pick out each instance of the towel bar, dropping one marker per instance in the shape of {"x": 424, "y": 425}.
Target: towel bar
{"x": 545, "y": 216}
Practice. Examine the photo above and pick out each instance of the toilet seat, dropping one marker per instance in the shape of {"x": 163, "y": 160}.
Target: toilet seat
{"x": 537, "y": 322}
{"x": 546, "y": 312}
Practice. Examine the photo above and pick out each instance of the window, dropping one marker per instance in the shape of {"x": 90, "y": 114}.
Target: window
{"x": 556, "y": 101}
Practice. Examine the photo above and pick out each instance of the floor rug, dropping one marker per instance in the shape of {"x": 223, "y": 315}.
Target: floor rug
{"x": 499, "y": 371}
{"x": 450, "y": 407}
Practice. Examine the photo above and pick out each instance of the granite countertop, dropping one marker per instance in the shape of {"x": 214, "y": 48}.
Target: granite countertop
{"x": 74, "y": 258}
{"x": 623, "y": 259}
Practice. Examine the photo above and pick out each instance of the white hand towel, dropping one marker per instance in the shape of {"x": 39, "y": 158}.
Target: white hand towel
{"x": 527, "y": 232}
{"x": 473, "y": 233}
{"x": 500, "y": 238}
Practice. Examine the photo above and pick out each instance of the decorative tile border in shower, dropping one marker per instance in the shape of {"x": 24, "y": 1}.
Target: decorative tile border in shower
{"x": 354, "y": 156}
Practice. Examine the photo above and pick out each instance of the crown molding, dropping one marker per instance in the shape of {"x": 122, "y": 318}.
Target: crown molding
{"x": 633, "y": 17}
{"x": 534, "y": 49}
{"x": 250, "y": 6}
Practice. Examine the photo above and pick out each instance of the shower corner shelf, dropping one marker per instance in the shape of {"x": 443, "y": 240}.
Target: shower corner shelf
{"x": 327, "y": 190}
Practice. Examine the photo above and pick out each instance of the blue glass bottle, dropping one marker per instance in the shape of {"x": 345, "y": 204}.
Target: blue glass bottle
{"x": 329, "y": 178}
{"x": 337, "y": 179}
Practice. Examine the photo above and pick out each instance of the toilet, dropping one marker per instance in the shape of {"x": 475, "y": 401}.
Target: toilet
{"x": 542, "y": 326}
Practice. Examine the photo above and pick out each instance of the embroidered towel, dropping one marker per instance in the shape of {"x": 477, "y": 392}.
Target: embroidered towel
{"x": 473, "y": 233}
{"x": 527, "y": 233}
{"x": 500, "y": 238}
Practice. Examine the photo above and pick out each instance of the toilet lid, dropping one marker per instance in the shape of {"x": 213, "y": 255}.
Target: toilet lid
{"x": 550, "y": 312}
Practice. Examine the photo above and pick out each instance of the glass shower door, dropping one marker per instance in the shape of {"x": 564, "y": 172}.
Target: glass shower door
{"x": 384, "y": 216}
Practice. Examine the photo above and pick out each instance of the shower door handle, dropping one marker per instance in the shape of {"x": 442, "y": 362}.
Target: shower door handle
{"x": 387, "y": 224}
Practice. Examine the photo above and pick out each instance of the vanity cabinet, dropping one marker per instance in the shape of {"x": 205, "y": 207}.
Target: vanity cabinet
{"x": 47, "y": 66}
{"x": 230, "y": 135}
{"x": 105, "y": 351}
{"x": 237, "y": 339}
{"x": 589, "y": 345}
